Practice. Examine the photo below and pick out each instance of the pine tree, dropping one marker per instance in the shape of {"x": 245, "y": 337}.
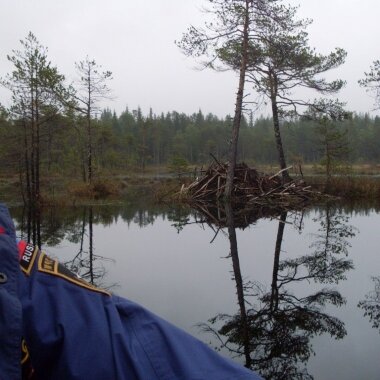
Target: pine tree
{"x": 371, "y": 82}
{"x": 37, "y": 93}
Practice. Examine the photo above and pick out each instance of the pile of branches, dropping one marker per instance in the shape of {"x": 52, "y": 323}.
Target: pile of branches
{"x": 250, "y": 187}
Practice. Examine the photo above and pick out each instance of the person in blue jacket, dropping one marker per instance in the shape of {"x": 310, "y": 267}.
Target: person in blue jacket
{"x": 54, "y": 325}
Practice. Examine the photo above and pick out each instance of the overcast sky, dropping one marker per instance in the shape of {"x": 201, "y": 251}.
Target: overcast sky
{"x": 135, "y": 40}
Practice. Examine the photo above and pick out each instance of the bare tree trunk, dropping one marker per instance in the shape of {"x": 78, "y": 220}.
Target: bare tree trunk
{"x": 143, "y": 146}
{"x": 29, "y": 223}
{"x": 27, "y": 164}
{"x": 89, "y": 149}
{"x": 49, "y": 147}
{"x": 238, "y": 107}
{"x": 89, "y": 131}
{"x": 32, "y": 150}
{"x": 277, "y": 134}
{"x": 38, "y": 225}
{"x": 20, "y": 174}
{"x": 83, "y": 160}
{"x": 37, "y": 199}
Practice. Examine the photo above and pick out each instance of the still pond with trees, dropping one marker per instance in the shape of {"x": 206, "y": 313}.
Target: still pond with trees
{"x": 270, "y": 269}
{"x": 289, "y": 294}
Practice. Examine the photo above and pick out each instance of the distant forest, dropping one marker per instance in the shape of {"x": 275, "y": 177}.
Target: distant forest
{"x": 133, "y": 141}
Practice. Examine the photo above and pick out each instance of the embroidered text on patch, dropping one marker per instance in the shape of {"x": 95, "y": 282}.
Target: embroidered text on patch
{"x": 51, "y": 266}
{"x": 28, "y": 258}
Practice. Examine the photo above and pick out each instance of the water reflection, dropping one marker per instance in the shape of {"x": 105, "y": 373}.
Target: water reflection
{"x": 31, "y": 223}
{"x": 50, "y": 226}
{"x": 242, "y": 326}
{"x": 86, "y": 263}
{"x": 275, "y": 320}
{"x": 273, "y": 328}
{"x": 371, "y": 304}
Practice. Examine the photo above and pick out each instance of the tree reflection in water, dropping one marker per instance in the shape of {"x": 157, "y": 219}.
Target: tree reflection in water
{"x": 371, "y": 304}
{"x": 86, "y": 263}
{"x": 31, "y": 224}
{"x": 48, "y": 226}
{"x": 274, "y": 325}
{"x": 273, "y": 329}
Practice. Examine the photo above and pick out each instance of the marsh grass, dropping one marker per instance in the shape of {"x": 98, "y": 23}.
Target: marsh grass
{"x": 58, "y": 190}
{"x": 349, "y": 187}
{"x": 99, "y": 189}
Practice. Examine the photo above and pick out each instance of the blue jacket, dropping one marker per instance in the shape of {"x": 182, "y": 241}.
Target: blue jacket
{"x": 69, "y": 329}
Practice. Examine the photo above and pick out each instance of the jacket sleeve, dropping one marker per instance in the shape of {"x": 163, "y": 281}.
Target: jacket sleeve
{"x": 76, "y": 331}
{"x": 10, "y": 306}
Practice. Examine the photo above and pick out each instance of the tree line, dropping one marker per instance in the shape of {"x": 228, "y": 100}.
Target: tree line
{"x": 133, "y": 141}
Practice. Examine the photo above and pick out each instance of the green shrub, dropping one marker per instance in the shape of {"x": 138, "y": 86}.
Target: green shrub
{"x": 178, "y": 165}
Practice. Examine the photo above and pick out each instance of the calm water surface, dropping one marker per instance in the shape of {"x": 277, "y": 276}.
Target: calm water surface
{"x": 296, "y": 295}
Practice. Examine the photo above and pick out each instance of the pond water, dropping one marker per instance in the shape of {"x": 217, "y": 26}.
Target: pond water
{"x": 294, "y": 295}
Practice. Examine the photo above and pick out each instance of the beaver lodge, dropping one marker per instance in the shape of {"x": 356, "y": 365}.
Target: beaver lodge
{"x": 250, "y": 188}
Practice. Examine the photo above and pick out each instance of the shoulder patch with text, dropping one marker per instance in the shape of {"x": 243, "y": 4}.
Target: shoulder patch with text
{"x": 53, "y": 267}
{"x": 28, "y": 257}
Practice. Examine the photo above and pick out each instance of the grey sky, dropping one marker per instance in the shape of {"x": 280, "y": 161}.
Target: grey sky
{"x": 135, "y": 40}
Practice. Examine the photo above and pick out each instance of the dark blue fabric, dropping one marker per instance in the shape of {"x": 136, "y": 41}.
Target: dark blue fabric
{"x": 77, "y": 333}
{"x": 10, "y": 307}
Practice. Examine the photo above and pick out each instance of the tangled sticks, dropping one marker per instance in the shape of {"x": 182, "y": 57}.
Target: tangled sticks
{"x": 250, "y": 187}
